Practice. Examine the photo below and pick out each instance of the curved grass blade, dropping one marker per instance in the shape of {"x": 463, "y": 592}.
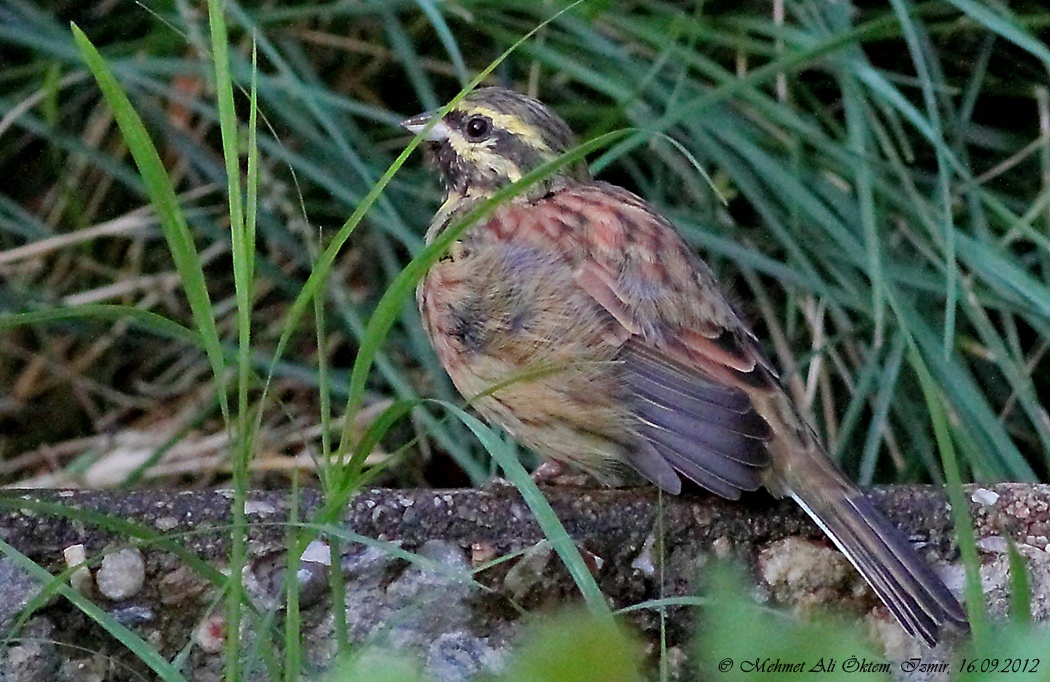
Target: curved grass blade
{"x": 165, "y": 203}
{"x": 145, "y": 652}
{"x": 548, "y": 521}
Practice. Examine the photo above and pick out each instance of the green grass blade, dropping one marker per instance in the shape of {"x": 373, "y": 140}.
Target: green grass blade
{"x": 144, "y": 651}
{"x": 142, "y": 319}
{"x": 926, "y": 73}
{"x": 1020, "y": 584}
{"x": 165, "y": 203}
{"x": 243, "y": 262}
{"x": 548, "y": 521}
{"x": 984, "y": 15}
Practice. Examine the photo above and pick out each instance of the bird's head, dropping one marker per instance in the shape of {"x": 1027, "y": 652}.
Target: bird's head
{"x": 492, "y": 138}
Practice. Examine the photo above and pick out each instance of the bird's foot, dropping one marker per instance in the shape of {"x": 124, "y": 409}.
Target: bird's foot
{"x": 555, "y": 473}
{"x": 496, "y": 484}
{"x": 550, "y": 472}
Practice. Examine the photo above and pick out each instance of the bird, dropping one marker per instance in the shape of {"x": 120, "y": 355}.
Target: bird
{"x": 575, "y": 317}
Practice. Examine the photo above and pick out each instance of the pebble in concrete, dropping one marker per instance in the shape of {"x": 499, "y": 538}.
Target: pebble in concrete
{"x": 121, "y": 574}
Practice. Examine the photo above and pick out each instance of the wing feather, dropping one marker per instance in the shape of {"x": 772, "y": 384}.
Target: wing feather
{"x": 687, "y": 361}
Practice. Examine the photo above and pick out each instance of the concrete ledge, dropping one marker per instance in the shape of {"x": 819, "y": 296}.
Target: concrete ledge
{"x": 457, "y": 627}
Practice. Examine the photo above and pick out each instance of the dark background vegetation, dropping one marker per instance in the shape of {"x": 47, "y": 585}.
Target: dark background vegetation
{"x": 885, "y": 171}
{"x": 871, "y": 181}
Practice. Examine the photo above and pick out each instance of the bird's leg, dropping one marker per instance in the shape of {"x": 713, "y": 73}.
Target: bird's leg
{"x": 554, "y": 472}
{"x": 550, "y": 472}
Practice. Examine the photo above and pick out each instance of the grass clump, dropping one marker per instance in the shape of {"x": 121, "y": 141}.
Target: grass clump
{"x": 176, "y": 260}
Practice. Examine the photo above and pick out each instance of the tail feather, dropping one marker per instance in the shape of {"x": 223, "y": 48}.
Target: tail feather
{"x": 915, "y": 595}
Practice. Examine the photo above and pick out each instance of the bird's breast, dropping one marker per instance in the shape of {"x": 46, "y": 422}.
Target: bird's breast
{"x": 522, "y": 342}
{"x": 505, "y": 301}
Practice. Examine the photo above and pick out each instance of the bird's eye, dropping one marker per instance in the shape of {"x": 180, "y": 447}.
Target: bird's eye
{"x": 477, "y": 128}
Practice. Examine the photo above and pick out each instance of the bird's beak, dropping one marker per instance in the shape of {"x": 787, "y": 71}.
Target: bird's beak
{"x": 417, "y": 123}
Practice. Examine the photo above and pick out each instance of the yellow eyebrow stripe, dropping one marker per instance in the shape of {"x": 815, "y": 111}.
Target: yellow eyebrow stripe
{"x": 508, "y": 122}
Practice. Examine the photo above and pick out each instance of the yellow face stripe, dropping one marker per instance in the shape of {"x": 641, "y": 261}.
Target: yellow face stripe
{"x": 481, "y": 154}
{"x": 509, "y": 122}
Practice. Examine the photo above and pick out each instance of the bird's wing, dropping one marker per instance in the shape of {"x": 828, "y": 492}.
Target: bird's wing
{"x": 690, "y": 367}
{"x": 705, "y": 430}
{"x": 706, "y": 403}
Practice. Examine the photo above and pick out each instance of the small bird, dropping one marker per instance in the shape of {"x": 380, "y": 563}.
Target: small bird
{"x": 575, "y": 317}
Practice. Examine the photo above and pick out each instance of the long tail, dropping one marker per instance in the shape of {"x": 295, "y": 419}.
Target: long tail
{"x": 917, "y": 597}
{"x": 913, "y": 592}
